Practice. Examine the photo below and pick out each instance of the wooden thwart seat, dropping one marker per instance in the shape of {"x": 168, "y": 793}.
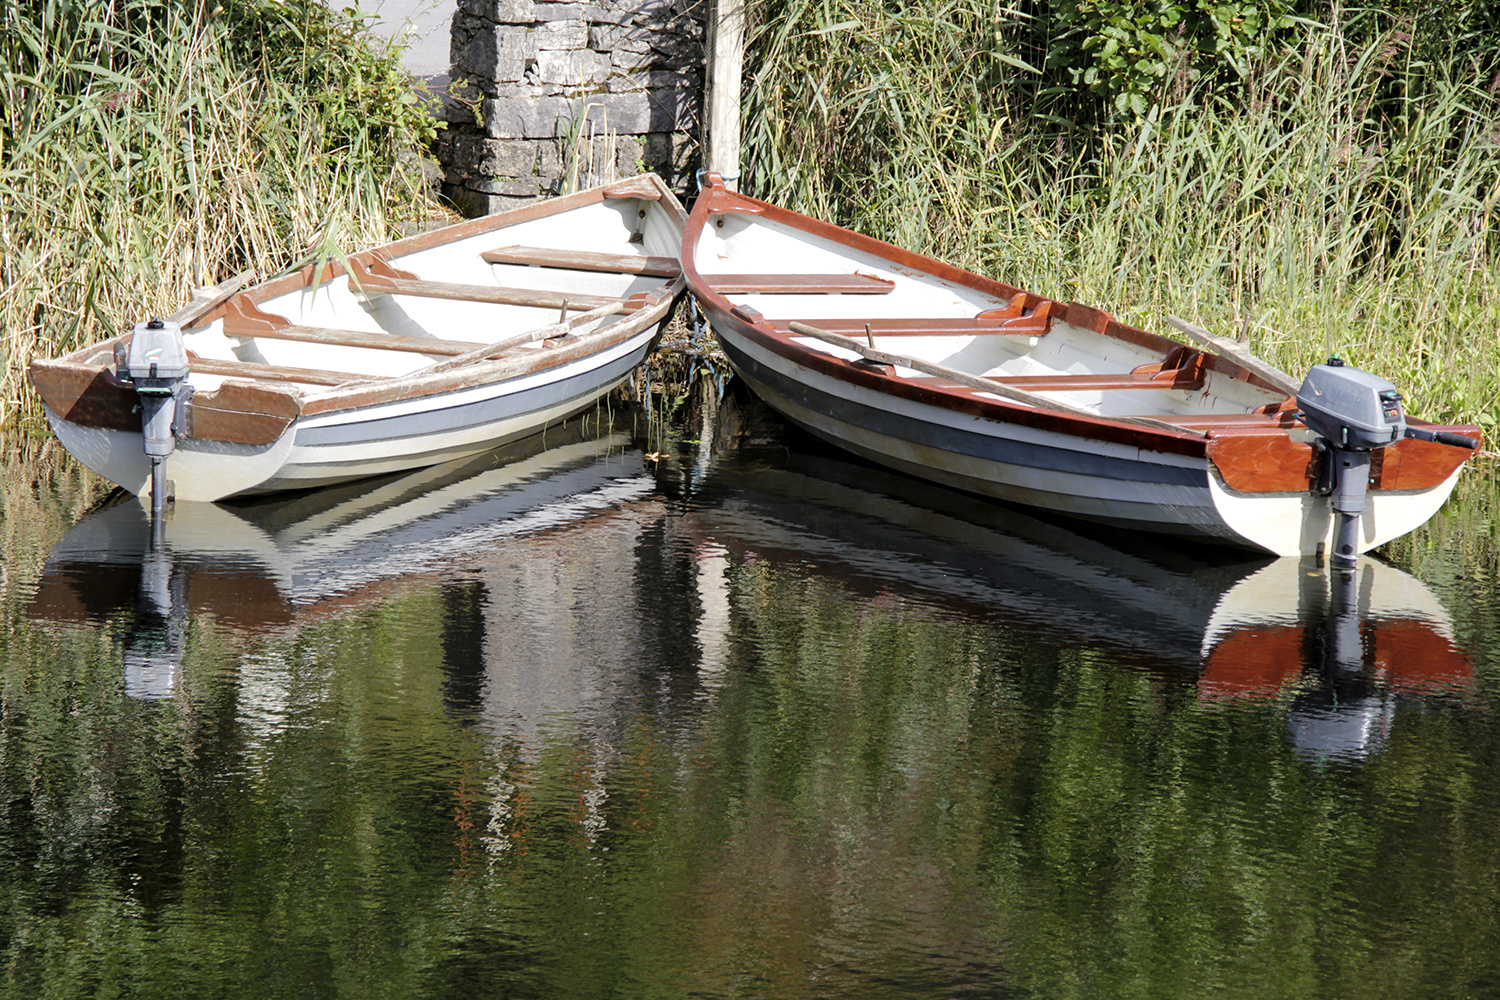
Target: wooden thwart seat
{"x": 1232, "y": 421}
{"x": 1033, "y": 325}
{"x": 355, "y": 338}
{"x": 272, "y": 373}
{"x": 243, "y": 318}
{"x": 1095, "y": 383}
{"x": 584, "y": 260}
{"x": 377, "y": 277}
{"x": 797, "y": 284}
{"x": 1181, "y": 369}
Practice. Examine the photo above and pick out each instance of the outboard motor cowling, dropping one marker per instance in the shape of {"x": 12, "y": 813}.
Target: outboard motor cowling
{"x": 156, "y": 364}
{"x": 1353, "y": 413}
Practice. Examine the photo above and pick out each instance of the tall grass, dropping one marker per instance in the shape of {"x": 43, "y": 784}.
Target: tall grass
{"x": 147, "y": 146}
{"x": 1341, "y": 197}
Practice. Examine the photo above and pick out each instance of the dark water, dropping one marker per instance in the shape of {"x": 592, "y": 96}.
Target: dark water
{"x": 723, "y": 715}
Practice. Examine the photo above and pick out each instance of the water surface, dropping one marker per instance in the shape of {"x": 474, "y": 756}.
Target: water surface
{"x": 723, "y": 714}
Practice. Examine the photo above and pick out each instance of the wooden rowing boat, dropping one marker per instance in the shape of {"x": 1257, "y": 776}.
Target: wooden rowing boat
{"x": 976, "y": 384}
{"x": 429, "y": 349}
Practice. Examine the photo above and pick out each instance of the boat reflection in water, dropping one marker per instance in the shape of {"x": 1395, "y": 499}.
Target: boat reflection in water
{"x": 583, "y": 624}
{"x": 267, "y": 568}
{"x": 1337, "y": 650}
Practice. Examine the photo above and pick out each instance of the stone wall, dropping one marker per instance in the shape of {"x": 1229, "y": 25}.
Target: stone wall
{"x": 551, "y": 96}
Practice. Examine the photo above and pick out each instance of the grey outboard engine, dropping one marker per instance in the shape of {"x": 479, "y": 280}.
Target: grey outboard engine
{"x": 1354, "y": 413}
{"x": 156, "y": 363}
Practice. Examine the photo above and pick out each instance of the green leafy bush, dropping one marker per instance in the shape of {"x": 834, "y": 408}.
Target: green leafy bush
{"x": 1132, "y": 53}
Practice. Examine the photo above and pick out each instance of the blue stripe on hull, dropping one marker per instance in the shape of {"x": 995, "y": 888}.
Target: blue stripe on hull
{"x": 1189, "y": 510}
{"x": 962, "y": 442}
{"x": 583, "y": 387}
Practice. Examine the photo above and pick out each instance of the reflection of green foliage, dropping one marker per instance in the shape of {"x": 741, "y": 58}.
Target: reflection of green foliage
{"x": 878, "y": 796}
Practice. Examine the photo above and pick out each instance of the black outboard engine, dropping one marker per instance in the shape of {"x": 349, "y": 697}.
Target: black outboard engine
{"x": 156, "y": 363}
{"x": 1353, "y": 413}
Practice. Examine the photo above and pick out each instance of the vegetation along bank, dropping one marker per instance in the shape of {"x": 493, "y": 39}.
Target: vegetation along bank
{"x": 1311, "y": 177}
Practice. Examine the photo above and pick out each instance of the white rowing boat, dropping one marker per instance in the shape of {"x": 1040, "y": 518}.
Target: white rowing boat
{"x": 426, "y": 350}
{"x": 978, "y": 385}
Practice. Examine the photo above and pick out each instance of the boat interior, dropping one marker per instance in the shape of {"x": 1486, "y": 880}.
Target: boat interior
{"x": 428, "y": 305}
{"x": 1064, "y": 354}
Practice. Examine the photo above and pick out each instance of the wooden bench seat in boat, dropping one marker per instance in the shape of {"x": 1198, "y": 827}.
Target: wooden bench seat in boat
{"x": 1230, "y": 421}
{"x": 356, "y": 338}
{"x": 1094, "y": 383}
{"x": 243, "y": 318}
{"x": 376, "y": 276}
{"x": 1012, "y": 320}
{"x": 585, "y": 260}
{"x": 1022, "y": 326}
{"x": 273, "y": 373}
{"x": 799, "y": 284}
{"x": 1181, "y": 369}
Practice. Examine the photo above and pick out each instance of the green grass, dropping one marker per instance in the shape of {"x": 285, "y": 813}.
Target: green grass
{"x": 147, "y": 146}
{"x": 1341, "y": 196}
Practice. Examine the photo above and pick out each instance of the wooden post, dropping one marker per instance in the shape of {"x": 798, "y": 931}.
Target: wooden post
{"x": 726, "y": 53}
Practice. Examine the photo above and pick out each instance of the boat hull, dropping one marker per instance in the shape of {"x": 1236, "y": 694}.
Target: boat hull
{"x": 1086, "y": 478}
{"x": 344, "y": 444}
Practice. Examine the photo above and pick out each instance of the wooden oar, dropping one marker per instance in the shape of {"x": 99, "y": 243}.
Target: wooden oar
{"x": 1235, "y": 351}
{"x": 515, "y": 340}
{"x": 980, "y": 382}
{"x": 206, "y": 298}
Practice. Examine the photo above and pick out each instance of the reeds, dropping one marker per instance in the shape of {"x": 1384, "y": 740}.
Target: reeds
{"x": 147, "y": 146}
{"x": 1341, "y": 197}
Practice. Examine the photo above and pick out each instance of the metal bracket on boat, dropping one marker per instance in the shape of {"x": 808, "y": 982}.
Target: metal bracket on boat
{"x": 156, "y": 363}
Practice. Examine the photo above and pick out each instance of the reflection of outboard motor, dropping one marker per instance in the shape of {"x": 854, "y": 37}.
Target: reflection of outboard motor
{"x": 153, "y": 647}
{"x": 1344, "y": 716}
{"x": 157, "y": 365}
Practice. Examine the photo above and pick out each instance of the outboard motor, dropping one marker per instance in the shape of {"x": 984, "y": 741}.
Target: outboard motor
{"x": 156, "y": 363}
{"x": 1354, "y": 413}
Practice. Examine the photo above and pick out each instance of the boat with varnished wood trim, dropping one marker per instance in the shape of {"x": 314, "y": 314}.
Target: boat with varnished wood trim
{"x": 979, "y": 385}
{"x": 433, "y": 348}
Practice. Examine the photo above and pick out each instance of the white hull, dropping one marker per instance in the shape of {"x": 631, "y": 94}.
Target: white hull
{"x": 200, "y": 470}
{"x": 1288, "y": 524}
